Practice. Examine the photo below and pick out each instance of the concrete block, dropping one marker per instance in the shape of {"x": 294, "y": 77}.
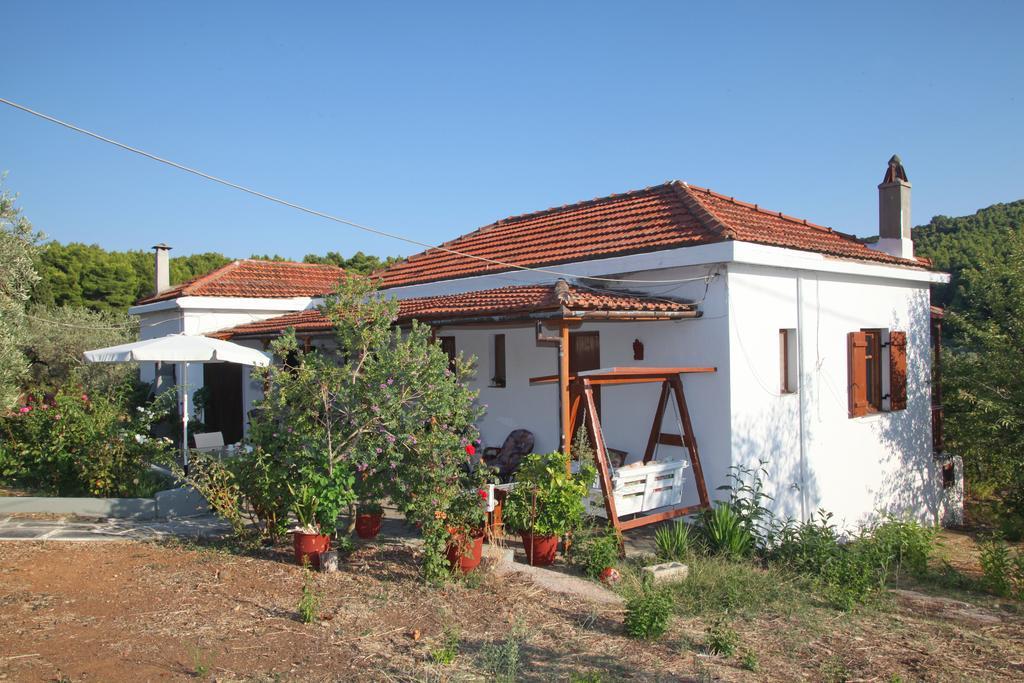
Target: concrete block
{"x": 329, "y": 561}
{"x": 667, "y": 572}
{"x": 180, "y": 502}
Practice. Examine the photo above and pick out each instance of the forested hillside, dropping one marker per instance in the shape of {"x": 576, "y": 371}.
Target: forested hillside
{"x": 110, "y": 281}
{"x": 967, "y": 242}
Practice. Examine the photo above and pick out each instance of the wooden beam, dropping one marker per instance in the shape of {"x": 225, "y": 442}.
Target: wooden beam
{"x": 659, "y": 517}
{"x": 691, "y": 442}
{"x": 672, "y": 440}
{"x": 601, "y": 459}
{"x": 563, "y": 390}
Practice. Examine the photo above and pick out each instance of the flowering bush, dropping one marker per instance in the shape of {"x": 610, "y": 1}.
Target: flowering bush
{"x": 82, "y": 445}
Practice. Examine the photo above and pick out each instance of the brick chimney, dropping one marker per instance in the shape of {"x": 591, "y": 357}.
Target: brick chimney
{"x": 161, "y": 268}
{"x": 894, "y": 212}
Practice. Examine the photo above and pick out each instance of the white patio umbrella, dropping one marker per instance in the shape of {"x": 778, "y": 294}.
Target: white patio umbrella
{"x": 183, "y": 349}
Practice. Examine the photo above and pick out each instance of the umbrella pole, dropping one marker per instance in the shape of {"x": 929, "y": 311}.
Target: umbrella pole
{"x": 184, "y": 419}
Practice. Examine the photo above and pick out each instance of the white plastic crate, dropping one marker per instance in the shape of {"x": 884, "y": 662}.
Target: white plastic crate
{"x": 640, "y": 488}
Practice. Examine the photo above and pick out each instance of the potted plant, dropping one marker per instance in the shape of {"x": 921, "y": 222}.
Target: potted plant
{"x": 308, "y": 539}
{"x": 368, "y": 516}
{"x": 466, "y": 517}
{"x": 546, "y": 503}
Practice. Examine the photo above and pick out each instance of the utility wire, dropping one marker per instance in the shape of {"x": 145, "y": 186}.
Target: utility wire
{"x": 314, "y": 212}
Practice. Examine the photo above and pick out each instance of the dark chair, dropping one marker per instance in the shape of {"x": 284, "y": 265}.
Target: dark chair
{"x": 506, "y": 459}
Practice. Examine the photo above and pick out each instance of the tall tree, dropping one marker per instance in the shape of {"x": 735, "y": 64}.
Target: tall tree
{"x": 18, "y": 243}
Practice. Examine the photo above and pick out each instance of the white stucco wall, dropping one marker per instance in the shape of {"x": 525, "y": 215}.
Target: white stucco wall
{"x": 851, "y": 467}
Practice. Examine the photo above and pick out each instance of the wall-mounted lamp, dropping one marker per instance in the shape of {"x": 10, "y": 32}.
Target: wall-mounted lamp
{"x": 638, "y": 350}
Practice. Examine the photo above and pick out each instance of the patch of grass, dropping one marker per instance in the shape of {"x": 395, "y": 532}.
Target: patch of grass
{"x": 718, "y": 585}
{"x": 449, "y": 649}
{"x": 722, "y": 639}
{"x": 648, "y": 611}
{"x": 309, "y": 603}
{"x": 750, "y": 662}
{"x": 503, "y": 660}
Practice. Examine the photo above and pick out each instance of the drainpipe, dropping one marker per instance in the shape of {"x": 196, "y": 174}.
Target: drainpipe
{"x": 803, "y": 393}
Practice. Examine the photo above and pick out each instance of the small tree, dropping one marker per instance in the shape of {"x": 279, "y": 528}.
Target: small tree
{"x": 985, "y": 377}
{"x": 17, "y": 277}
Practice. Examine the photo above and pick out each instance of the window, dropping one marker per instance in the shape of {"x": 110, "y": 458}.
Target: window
{"x": 498, "y": 361}
{"x": 787, "y": 362}
{"x": 868, "y": 352}
{"x": 448, "y": 346}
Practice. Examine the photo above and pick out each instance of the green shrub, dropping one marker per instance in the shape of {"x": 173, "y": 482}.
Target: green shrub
{"x": 83, "y": 445}
{"x": 849, "y": 578}
{"x": 896, "y": 545}
{"x": 596, "y": 551}
{"x": 750, "y": 662}
{"x": 648, "y": 611}
{"x": 673, "y": 541}
{"x": 721, "y": 639}
{"x": 806, "y": 547}
{"x": 502, "y": 660}
{"x": 724, "y": 532}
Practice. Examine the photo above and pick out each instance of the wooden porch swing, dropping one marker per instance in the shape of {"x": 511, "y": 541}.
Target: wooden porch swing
{"x": 581, "y": 395}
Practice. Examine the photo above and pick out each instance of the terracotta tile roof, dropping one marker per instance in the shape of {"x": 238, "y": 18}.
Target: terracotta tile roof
{"x": 670, "y": 215}
{"x": 256, "y": 278}
{"x": 525, "y": 299}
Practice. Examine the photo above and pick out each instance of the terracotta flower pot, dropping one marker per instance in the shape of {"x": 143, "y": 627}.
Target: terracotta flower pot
{"x": 309, "y": 546}
{"x": 465, "y": 553}
{"x": 368, "y": 524}
{"x": 540, "y": 550}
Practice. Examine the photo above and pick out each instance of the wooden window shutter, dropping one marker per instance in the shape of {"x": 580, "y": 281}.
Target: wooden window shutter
{"x": 448, "y": 346}
{"x": 897, "y": 371}
{"x": 857, "y": 347}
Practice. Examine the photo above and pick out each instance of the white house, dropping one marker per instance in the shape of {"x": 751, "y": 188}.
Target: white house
{"x": 821, "y": 342}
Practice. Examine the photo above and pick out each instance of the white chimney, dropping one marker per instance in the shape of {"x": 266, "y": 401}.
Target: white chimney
{"x": 162, "y": 268}
{"x": 894, "y": 212}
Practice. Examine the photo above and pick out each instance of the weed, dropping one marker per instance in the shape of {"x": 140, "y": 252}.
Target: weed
{"x": 596, "y": 551}
{"x": 1003, "y": 571}
{"x": 721, "y": 639}
{"x": 749, "y": 661}
{"x": 200, "y": 667}
{"x": 589, "y": 677}
{"x": 835, "y": 671}
{"x": 725, "y": 533}
{"x": 449, "y": 649}
{"x": 648, "y": 612}
{"x": 503, "y": 660}
{"x": 309, "y": 603}
{"x": 848, "y": 579}
{"x": 896, "y": 545}
{"x": 673, "y": 541}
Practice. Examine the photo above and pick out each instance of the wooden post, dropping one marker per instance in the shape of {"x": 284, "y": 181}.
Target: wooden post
{"x": 601, "y": 459}
{"x": 563, "y": 388}
{"x": 690, "y": 441}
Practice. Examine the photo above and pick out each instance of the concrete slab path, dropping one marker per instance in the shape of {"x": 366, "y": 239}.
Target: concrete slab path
{"x": 15, "y": 528}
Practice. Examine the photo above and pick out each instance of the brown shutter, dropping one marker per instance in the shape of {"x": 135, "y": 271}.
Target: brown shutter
{"x": 857, "y": 345}
{"x": 897, "y": 370}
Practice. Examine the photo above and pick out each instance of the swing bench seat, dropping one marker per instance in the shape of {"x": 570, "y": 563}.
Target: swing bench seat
{"x": 640, "y": 488}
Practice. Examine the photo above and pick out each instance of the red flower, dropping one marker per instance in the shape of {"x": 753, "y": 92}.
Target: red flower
{"x": 85, "y": 397}
{"x": 470, "y": 449}
{"x": 483, "y": 494}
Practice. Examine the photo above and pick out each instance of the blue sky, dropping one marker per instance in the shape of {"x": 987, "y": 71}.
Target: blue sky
{"x": 431, "y": 119}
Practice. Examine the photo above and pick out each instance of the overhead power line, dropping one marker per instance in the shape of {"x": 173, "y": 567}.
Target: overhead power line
{"x": 321, "y": 214}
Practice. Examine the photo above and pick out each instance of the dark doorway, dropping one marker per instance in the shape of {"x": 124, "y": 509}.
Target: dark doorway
{"x": 585, "y": 354}
{"x": 223, "y": 413}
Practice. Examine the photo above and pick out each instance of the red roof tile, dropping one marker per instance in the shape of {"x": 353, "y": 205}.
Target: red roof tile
{"x": 256, "y": 278}
{"x": 524, "y": 299}
{"x": 665, "y": 216}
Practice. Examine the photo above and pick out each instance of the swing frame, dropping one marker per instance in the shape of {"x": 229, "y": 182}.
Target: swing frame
{"x": 581, "y": 394}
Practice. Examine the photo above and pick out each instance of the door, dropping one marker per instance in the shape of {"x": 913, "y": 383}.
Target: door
{"x": 223, "y": 412}
{"x": 585, "y": 354}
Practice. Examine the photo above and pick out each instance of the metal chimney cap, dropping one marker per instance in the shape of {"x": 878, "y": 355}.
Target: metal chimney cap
{"x": 161, "y": 246}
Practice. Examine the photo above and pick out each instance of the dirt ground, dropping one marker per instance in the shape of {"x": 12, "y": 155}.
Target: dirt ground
{"x": 143, "y": 611}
